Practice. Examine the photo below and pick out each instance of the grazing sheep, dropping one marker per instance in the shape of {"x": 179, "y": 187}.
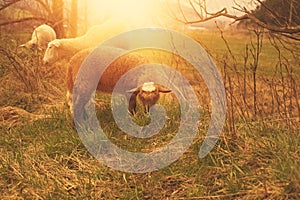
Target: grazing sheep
{"x": 109, "y": 77}
{"x": 148, "y": 93}
{"x": 40, "y": 37}
{"x": 67, "y": 47}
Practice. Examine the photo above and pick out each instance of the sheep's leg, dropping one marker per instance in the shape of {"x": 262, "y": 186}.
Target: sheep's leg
{"x": 69, "y": 101}
{"x": 146, "y": 108}
{"x": 80, "y": 102}
{"x": 132, "y": 103}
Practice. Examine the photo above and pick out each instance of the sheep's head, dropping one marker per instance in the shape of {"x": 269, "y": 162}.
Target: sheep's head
{"x": 35, "y": 41}
{"x": 51, "y": 53}
{"x": 30, "y": 45}
{"x": 148, "y": 94}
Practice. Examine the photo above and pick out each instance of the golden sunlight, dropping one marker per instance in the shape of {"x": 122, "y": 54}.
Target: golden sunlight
{"x": 132, "y": 12}
{"x": 145, "y": 13}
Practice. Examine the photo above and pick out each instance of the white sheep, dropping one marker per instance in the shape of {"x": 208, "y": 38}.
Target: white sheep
{"x": 40, "y": 37}
{"x": 148, "y": 93}
{"x": 67, "y": 47}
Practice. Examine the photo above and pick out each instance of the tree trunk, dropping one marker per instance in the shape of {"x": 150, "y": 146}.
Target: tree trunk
{"x": 74, "y": 18}
{"x": 58, "y": 17}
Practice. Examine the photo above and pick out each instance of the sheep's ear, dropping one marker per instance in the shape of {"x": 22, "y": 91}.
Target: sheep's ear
{"x": 163, "y": 89}
{"x": 54, "y": 43}
{"x": 133, "y": 90}
{"x": 33, "y": 45}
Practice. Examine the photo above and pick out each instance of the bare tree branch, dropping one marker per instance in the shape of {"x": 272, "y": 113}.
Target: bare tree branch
{"x": 24, "y": 20}
{"x": 45, "y": 5}
{"x": 210, "y": 16}
{"x": 181, "y": 10}
{"x": 287, "y": 29}
{"x": 280, "y": 29}
{"x": 200, "y": 15}
{"x": 274, "y": 15}
{"x": 291, "y": 13}
{"x": 8, "y": 4}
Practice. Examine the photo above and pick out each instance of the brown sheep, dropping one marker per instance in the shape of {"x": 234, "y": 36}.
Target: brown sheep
{"x": 147, "y": 95}
{"x": 108, "y": 79}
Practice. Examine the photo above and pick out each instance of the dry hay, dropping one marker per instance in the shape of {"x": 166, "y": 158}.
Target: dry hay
{"x": 11, "y": 116}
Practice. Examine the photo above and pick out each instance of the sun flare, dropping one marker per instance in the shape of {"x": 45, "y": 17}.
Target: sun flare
{"x": 132, "y": 12}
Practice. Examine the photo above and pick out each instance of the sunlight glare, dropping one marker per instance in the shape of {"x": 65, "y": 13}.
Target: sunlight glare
{"x": 133, "y": 12}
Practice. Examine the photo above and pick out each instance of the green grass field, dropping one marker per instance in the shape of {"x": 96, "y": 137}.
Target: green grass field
{"x": 256, "y": 157}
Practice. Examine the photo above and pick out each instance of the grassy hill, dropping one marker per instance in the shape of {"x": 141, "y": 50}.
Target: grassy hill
{"x": 256, "y": 157}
